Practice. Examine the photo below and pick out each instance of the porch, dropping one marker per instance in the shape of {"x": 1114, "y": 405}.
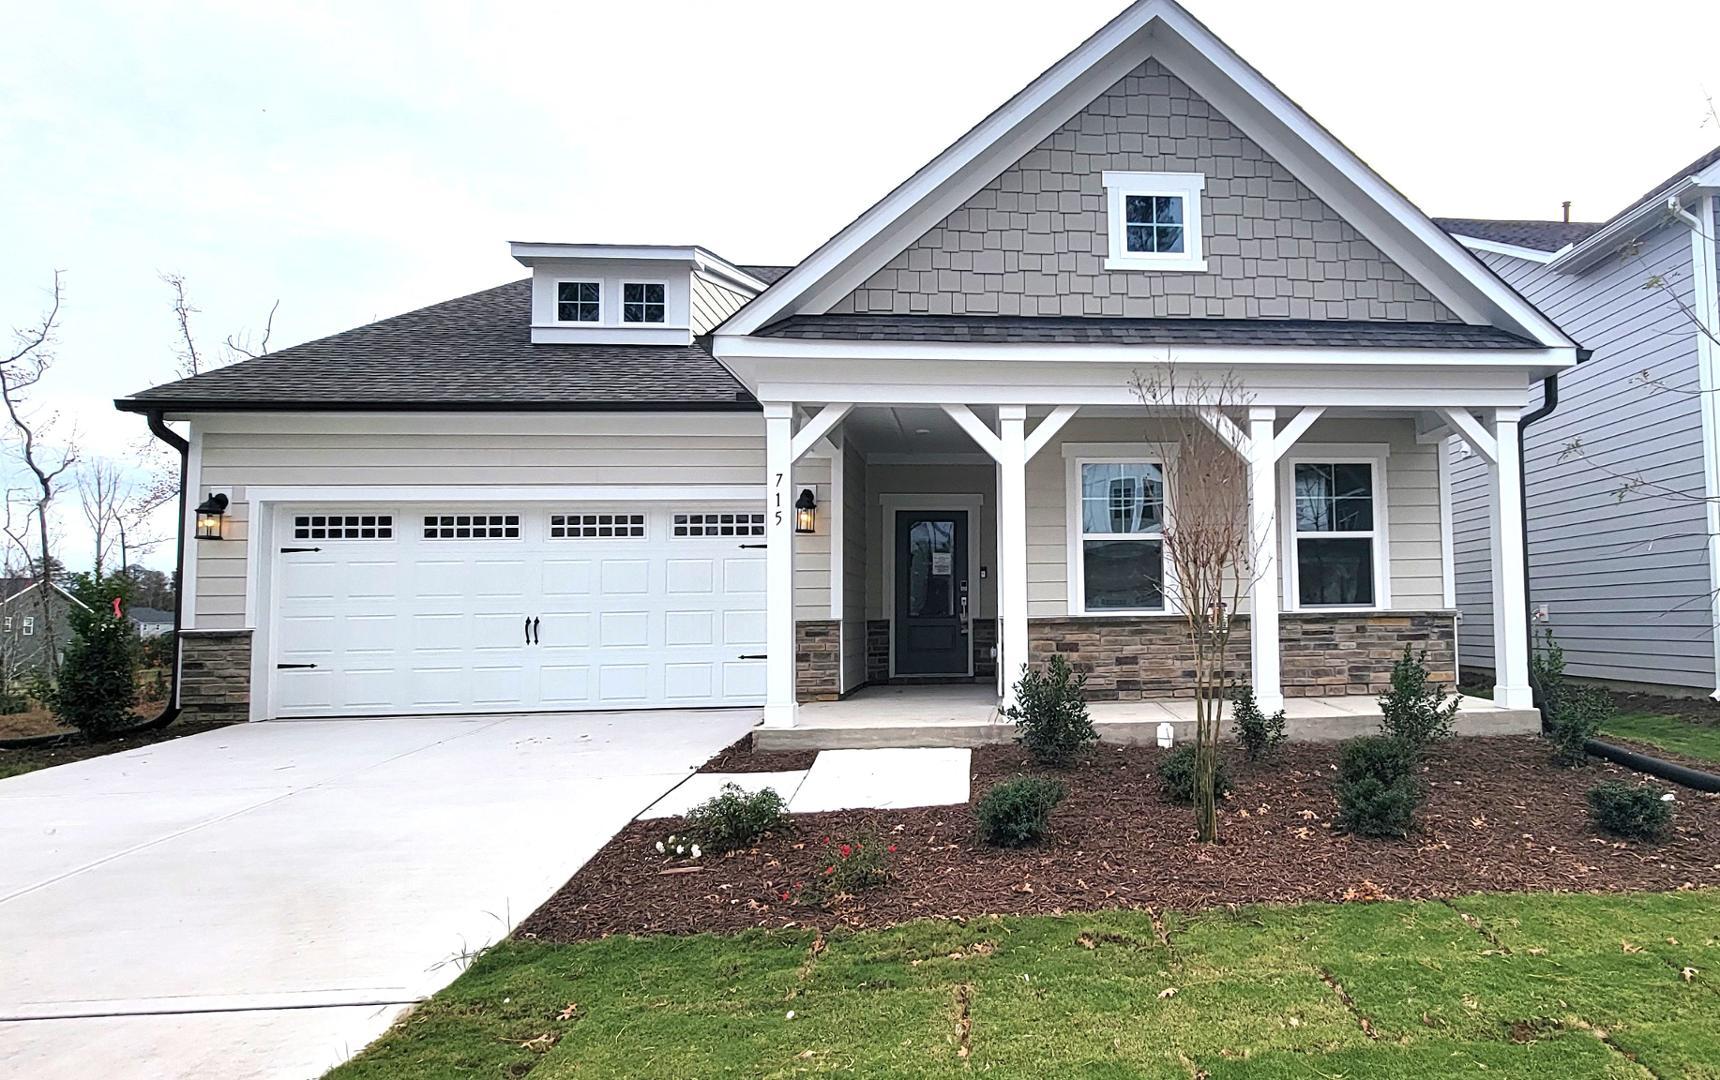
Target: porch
{"x": 968, "y": 715}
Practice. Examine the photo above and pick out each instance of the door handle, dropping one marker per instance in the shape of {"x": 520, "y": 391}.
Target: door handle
{"x": 537, "y": 638}
{"x": 528, "y": 629}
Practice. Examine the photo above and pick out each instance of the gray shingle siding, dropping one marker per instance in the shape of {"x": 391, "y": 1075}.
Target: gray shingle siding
{"x": 1033, "y": 241}
{"x": 1625, "y": 581}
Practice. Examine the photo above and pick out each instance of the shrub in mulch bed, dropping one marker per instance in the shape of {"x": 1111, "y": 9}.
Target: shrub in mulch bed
{"x": 1497, "y": 815}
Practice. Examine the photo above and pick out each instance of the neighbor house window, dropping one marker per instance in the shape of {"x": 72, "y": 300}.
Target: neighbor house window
{"x": 642, "y": 302}
{"x": 1337, "y": 526}
{"x": 1120, "y": 547}
{"x": 1154, "y": 221}
{"x": 29, "y": 626}
{"x": 8, "y": 624}
{"x": 578, "y": 301}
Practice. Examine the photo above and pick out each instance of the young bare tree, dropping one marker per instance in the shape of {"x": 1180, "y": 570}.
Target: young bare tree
{"x": 30, "y": 359}
{"x": 1210, "y": 552}
{"x": 102, "y": 494}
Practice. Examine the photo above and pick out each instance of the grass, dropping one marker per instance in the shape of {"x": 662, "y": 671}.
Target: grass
{"x": 1519, "y": 986}
{"x": 1670, "y": 733}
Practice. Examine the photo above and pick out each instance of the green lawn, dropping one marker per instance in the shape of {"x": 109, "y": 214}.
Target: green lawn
{"x": 1676, "y": 736}
{"x": 1500, "y": 986}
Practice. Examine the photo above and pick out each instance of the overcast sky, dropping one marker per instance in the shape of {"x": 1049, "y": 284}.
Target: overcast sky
{"x": 355, "y": 160}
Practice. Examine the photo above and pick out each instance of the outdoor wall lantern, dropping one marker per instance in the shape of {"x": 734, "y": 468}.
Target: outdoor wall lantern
{"x": 805, "y": 511}
{"x": 210, "y": 514}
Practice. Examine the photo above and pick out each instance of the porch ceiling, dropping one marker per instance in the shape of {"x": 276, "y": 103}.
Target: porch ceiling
{"x": 911, "y": 429}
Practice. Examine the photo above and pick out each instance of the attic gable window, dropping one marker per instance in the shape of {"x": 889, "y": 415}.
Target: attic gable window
{"x": 1153, "y": 221}
{"x": 578, "y": 301}
{"x": 642, "y": 302}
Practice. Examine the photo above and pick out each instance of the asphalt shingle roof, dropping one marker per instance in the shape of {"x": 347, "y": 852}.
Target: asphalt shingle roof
{"x": 473, "y": 352}
{"x": 770, "y": 275}
{"x": 995, "y": 330}
{"x": 1539, "y": 235}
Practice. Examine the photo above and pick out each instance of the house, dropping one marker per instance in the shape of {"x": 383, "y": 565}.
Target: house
{"x": 27, "y": 625}
{"x": 150, "y": 622}
{"x": 649, "y": 476}
{"x": 1623, "y": 476}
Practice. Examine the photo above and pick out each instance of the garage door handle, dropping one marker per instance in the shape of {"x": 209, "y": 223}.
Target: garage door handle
{"x": 528, "y": 629}
{"x": 537, "y": 638}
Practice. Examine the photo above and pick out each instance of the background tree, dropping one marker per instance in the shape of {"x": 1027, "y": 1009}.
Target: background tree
{"x": 97, "y": 691}
{"x": 1210, "y": 554}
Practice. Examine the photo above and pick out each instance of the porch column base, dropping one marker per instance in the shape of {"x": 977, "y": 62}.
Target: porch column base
{"x": 1513, "y": 697}
{"x": 781, "y": 716}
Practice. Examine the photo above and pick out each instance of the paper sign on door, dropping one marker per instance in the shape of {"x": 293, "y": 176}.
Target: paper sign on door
{"x": 941, "y": 563}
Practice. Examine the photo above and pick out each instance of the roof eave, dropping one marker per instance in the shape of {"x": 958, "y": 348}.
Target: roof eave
{"x": 188, "y": 405}
{"x": 1619, "y": 231}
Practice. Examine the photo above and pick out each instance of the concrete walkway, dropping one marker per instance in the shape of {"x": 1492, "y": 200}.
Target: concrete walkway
{"x": 263, "y": 900}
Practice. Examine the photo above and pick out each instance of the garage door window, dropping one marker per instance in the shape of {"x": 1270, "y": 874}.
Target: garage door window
{"x": 719, "y": 523}
{"x": 471, "y": 527}
{"x": 596, "y": 526}
{"x": 343, "y": 527}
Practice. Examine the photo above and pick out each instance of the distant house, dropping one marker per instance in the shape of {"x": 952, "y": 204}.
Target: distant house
{"x": 150, "y": 622}
{"x": 27, "y": 624}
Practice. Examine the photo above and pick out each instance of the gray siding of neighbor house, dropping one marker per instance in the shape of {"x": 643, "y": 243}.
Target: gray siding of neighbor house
{"x": 1625, "y": 582}
{"x": 1034, "y": 241}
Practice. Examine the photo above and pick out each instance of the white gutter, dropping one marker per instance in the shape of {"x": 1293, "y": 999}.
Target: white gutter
{"x": 1608, "y": 239}
{"x": 1705, "y": 309}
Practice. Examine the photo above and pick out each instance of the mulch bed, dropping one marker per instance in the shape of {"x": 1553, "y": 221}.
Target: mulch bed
{"x": 76, "y": 748}
{"x": 1499, "y": 816}
{"x": 1696, "y": 710}
{"x": 740, "y": 757}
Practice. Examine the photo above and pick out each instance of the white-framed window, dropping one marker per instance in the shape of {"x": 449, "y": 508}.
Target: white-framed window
{"x": 1117, "y": 515}
{"x": 1153, "y": 221}
{"x": 343, "y": 526}
{"x": 29, "y": 626}
{"x": 578, "y": 301}
{"x": 718, "y": 523}
{"x": 1335, "y": 515}
{"x": 471, "y": 526}
{"x": 599, "y": 526}
{"x": 642, "y": 301}
{"x": 8, "y": 624}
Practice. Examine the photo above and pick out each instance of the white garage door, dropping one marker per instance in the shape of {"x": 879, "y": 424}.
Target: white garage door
{"x": 399, "y": 610}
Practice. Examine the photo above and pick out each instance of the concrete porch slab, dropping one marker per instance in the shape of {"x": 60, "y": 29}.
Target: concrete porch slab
{"x": 702, "y": 786}
{"x": 886, "y": 779}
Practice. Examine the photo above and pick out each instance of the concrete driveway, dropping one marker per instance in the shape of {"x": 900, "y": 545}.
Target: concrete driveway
{"x": 263, "y": 900}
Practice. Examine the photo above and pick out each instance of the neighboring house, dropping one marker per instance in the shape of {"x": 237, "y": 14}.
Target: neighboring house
{"x": 150, "y": 622}
{"x": 587, "y": 489}
{"x": 1624, "y": 475}
{"x": 27, "y": 624}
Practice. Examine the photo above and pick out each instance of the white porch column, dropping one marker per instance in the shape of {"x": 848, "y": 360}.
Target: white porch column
{"x": 1510, "y": 590}
{"x": 780, "y": 707}
{"x": 1263, "y": 530}
{"x": 1012, "y": 545}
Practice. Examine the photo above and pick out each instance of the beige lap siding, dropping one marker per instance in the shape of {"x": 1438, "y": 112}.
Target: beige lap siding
{"x": 605, "y": 450}
{"x": 1412, "y": 510}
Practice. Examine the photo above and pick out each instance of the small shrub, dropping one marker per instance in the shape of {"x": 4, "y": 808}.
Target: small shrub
{"x": 1377, "y": 788}
{"x": 1639, "y": 813}
{"x": 1258, "y": 733}
{"x": 13, "y": 699}
{"x": 1050, "y": 713}
{"x": 1415, "y": 708}
{"x": 733, "y": 819}
{"x": 1177, "y": 775}
{"x": 1573, "y": 714}
{"x": 1017, "y": 812}
{"x": 849, "y": 867}
{"x": 97, "y": 686}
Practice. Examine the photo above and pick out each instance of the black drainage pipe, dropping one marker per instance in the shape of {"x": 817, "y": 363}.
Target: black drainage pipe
{"x": 1666, "y": 770}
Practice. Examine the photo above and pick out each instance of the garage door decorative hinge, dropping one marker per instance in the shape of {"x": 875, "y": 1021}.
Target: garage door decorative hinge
{"x": 289, "y": 551}
{"x": 281, "y": 666}
{"x": 760, "y": 546}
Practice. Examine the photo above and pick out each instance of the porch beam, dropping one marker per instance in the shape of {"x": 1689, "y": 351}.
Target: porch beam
{"x": 977, "y": 429}
{"x": 1464, "y": 422}
{"x": 1264, "y": 659}
{"x": 1295, "y": 429}
{"x": 818, "y": 427}
{"x": 1048, "y": 429}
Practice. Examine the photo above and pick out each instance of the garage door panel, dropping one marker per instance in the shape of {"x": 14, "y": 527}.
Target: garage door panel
{"x": 408, "y": 623}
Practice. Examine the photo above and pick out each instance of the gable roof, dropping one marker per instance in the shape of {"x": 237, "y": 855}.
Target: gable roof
{"x": 1162, "y": 29}
{"x": 1537, "y": 235}
{"x": 11, "y": 588}
{"x": 471, "y": 353}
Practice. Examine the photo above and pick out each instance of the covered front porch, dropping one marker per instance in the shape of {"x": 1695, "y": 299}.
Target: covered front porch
{"x": 953, "y": 715}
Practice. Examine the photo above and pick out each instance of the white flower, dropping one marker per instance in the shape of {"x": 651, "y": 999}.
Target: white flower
{"x": 660, "y": 848}
{"x": 696, "y": 851}
{"x": 1668, "y": 797}
{"x": 790, "y": 1015}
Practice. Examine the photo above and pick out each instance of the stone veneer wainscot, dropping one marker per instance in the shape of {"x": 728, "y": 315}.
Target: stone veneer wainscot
{"x": 215, "y": 674}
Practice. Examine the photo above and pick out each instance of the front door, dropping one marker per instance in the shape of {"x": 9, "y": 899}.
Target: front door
{"x": 931, "y": 632}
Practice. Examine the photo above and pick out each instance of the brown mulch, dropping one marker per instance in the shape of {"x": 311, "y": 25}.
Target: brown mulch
{"x": 1661, "y": 752}
{"x": 740, "y": 757}
{"x": 1499, "y": 816}
{"x": 77, "y": 748}
{"x": 1697, "y": 710}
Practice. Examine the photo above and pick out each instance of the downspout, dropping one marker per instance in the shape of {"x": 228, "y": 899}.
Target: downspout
{"x": 172, "y": 438}
{"x": 1705, "y": 310}
{"x": 1549, "y": 402}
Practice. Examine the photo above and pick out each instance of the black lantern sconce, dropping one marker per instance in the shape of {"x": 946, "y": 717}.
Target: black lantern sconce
{"x": 805, "y": 511}
{"x": 210, "y": 513}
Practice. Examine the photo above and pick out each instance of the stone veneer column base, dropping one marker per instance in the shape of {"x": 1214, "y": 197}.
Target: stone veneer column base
{"x": 215, "y": 674}
{"x": 818, "y": 660}
{"x": 1324, "y": 654}
{"x": 877, "y": 651}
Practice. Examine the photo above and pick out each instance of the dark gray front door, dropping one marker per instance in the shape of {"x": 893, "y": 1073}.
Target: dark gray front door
{"x": 931, "y": 592}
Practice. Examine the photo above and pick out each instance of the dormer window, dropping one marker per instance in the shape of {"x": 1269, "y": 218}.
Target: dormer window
{"x": 578, "y": 301}
{"x": 642, "y": 302}
{"x": 1154, "y": 221}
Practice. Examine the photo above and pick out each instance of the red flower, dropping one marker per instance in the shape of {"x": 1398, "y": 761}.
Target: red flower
{"x": 891, "y": 849}
{"x": 847, "y": 850}
{"x": 826, "y": 840}
{"x": 828, "y": 870}
{"x": 784, "y": 895}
